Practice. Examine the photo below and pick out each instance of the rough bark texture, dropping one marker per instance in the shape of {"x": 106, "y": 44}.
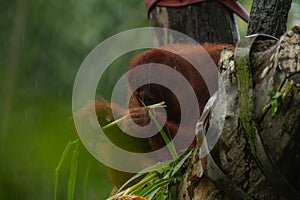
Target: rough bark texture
{"x": 232, "y": 170}
{"x": 197, "y": 22}
{"x": 269, "y": 17}
{"x": 257, "y": 155}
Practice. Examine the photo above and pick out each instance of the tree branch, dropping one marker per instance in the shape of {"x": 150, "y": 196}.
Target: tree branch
{"x": 269, "y": 17}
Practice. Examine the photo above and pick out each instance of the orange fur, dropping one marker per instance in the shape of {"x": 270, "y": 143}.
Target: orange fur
{"x": 153, "y": 93}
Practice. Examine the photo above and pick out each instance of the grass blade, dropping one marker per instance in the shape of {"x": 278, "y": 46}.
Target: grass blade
{"x": 151, "y": 191}
{"x": 107, "y": 126}
{"x": 62, "y": 159}
{"x": 151, "y": 195}
{"x": 178, "y": 166}
{"x": 148, "y": 178}
{"x": 85, "y": 180}
{"x": 113, "y": 123}
{"x": 169, "y": 144}
{"x": 158, "y": 166}
{"x": 73, "y": 174}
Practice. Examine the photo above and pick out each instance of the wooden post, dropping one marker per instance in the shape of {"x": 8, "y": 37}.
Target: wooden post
{"x": 205, "y": 22}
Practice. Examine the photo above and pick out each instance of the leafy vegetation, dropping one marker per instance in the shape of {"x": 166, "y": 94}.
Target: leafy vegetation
{"x": 159, "y": 182}
{"x": 275, "y": 102}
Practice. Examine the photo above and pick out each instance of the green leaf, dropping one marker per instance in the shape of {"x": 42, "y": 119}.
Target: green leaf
{"x": 277, "y": 95}
{"x": 270, "y": 93}
{"x": 180, "y": 163}
{"x": 274, "y": 107}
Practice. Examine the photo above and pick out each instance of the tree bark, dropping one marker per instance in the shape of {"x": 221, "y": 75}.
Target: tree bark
{"x": 232, "y": 170}
{"x": 205, "y": 22}
{"x": 257, "y": 155}
{"x": 269, "y": 17}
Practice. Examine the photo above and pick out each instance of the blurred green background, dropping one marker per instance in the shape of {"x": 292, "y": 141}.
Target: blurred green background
{"x": 42, "y": 46}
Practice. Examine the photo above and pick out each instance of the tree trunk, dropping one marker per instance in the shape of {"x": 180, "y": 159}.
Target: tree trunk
{"x": 11, "y": 64}
{"x": 248, "y": 163}
{"x": 257, "y": 155}
{"x": 10, "y": 72}
{"x": 269, "y": 17}
{"x": 205, "y": 22}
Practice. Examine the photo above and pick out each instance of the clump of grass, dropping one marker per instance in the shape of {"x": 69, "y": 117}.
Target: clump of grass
{"x": 160, "y": 178}
{"x": 72, "y": 172}
{"x": 158, "y": 182}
